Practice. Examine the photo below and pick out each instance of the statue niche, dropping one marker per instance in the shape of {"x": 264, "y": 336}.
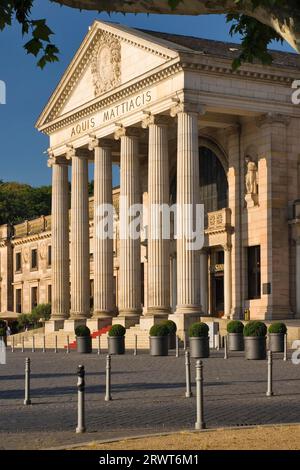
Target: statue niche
{"x": 251, "y": 182}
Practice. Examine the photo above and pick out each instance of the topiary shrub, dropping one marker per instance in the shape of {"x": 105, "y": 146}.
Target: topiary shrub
{"x": 198, "y": 330}
{"x": 82, "y": 331}
{"x": 235, "y": 326}
{"x": 2, "y": 332}
{"x": 171, "y": 325}
{"x": 2, "y": 324}
{"x": 117, "y": 330}
{"x": 278, "y": 327}
{"x": 159, "y": 330}
{"x": 255, "y": 328}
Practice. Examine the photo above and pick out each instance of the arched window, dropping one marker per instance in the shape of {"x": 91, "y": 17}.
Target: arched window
{"x": 213, "y": 181}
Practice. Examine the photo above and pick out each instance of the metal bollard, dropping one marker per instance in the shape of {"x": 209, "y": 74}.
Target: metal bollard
{"x": 81, "y": 410}
{"x": 12, "y": 344}
{"x": 27, "y": 400}
{"x": 44, "y": 344}
{"x": 135, "y": 345}
{"x": 285, "y": 348}
{"x": 55, "y": 347}
{"x": 108, "y": 378}
{"x": 33, "y": 344}
{"x": 200, "y": 424}
{"x": 23, "y": 349}
{"x": 225, "y": 347}
{"x": 68, "y": 344}
{"x": 188, "y": 393}
{"x": 99, "y": 345}
{"x": 270, "y": 375}
{"x": 184, "y": 341}
{"x": 177, "y": 346}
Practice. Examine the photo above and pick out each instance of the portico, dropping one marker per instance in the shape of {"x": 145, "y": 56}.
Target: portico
{"x": 182, "y": 127}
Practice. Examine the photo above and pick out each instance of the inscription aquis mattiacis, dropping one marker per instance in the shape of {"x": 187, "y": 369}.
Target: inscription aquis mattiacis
{"x": 112, "y": 113}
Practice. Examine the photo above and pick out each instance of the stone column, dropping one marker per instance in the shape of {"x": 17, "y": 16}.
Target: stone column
{"x": 227, "y": 281}
{"x": 204, "y": 281}
{"x": 298, "y": 279}
{"x": 188, "y": 196}
{"x": 59, "y": 244}
{"x": 103, "y": 235}
{"x": 130, "y": 248}
{"x": 158, "y": 196}
{"x": 80, "y": 253}
{"x": 173, "y": 283}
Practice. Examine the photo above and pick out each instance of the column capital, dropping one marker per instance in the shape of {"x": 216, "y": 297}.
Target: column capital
{"x": 55, "y": 159}
{"x": 150, "y": 119}
{"x": 227, "y": 247}
{"x": 74, "y": 152}
{"x": 272, "y": 118}
{"x": 186, "y": 107}
{"x": 122, "y": 131}
{"x": 95, "y": 142}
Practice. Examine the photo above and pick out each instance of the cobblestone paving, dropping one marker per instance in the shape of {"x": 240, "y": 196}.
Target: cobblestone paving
{"x": 148, "y": 396}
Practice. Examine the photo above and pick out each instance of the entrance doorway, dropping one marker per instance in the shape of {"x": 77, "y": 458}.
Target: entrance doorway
{"x": 217, "y": 283}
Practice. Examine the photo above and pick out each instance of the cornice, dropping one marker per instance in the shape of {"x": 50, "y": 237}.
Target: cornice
{"x": 30, "y": 238}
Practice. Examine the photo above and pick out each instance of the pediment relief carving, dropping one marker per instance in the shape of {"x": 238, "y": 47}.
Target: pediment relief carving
{"x": 106, "y": 63}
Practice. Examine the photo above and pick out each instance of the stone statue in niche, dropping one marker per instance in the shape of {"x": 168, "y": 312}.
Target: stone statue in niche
{"x": 251, "y": 182}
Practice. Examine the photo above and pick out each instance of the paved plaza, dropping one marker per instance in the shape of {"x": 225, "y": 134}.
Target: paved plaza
{"x": 148, "y": 396}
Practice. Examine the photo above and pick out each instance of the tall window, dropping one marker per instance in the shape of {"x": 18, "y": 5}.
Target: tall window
{"x": 19, "y": 300}
{"x": 34, "y": 297}
{"x": 213, "y": 181}
{"x": 34, "y": 259}
{"x": 49, "y": 293}
{"x": 49, "y": 257}
{"x": 254, "y": 276}
{"x": 18, "y": 262}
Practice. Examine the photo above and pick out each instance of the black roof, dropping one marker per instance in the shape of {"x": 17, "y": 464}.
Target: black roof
{"x": 225, "y": 50}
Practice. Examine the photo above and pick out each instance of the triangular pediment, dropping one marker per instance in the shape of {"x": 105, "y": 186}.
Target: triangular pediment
{"x": 109, "y": 57}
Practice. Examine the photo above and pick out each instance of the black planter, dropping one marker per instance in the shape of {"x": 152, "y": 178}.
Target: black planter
{"x": 84, "y": 344}
{"x": 255, "y": 347}
{"x": 172, "y": 341}
{"x": 276, "y": 342}
{"x": 159, "y": 345}
{"x": 235, "y": 342}
{"x": 116, "y": 344}
{"x": 199, "y": 347}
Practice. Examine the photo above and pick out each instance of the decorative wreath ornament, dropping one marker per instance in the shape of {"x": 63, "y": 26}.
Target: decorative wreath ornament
{"x": 106, "y": 61}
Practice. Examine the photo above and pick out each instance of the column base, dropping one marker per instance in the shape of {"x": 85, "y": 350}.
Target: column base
{"x": 72, "y": 323}
{"x": 96, "y": 324}
{"x": 147, "y": 321}
{"x": 184, "y": 321}
{"x": 125, "y": 321}
{"x": 54, "y": 325}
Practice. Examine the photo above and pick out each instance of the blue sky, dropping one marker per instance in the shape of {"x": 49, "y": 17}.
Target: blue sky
{"x": 28, "y": 88}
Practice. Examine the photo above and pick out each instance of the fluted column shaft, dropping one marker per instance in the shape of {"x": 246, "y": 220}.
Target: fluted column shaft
{"x": 80, "y": 253}
{"x": 204, "y": 281}
{"x": 60, "y": 242}
{"x": 227, "y": 281}
{"x": 103, "y": 246}
{"x": 158, "y": 195}
{"x": 188, "y": 265}
{"x": 130, "y": 249}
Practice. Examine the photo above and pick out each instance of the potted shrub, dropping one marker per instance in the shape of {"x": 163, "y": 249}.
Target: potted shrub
{"x": 235, "y": 330}
{"x": 255, "y": 340}
{"x": 276, "y": 336}
{"x": 172, "y": 327}
{"x": 116, "y": 340}
{"x": 83, "y": 339}
{"x": 159, "y": 340}
{"x": 199, "y": 340}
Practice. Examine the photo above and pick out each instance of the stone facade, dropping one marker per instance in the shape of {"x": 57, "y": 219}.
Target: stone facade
{"x": 183, "y": 127}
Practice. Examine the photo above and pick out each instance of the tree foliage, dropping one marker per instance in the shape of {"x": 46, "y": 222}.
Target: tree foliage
{"x": 257, "y": 21}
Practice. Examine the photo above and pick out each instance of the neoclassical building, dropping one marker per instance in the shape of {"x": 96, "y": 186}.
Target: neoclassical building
{"x": 183, "y": 127}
